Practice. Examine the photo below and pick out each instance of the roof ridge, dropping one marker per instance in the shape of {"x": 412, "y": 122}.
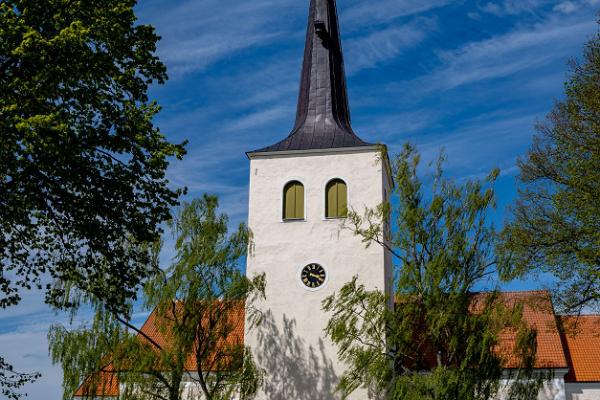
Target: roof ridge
{"x": 520, "y": 291}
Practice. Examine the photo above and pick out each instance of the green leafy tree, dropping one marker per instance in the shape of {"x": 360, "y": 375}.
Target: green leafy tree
{"x": 82, "y": 167}
{"x": 11, "y": 380}
{"x": 198, "y": 305}
{"x": 438, "y": 342}
{"x": 555, "y": 224}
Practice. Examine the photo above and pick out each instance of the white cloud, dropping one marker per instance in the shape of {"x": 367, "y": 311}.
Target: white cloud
{"x": 402, "y": 125}
{"x": 505, "y": 55}
{"x": 259, "y": 118}
{"x": 27, "y": 350}
{"x": 367, "y": 13}
{"x": 483, "y": 142}
{"x": 196, "y": 34}
{"x": 513, "y": 7}
{"x": 492, "y": 8}
{"x": 187, "y": 56}
{"x": 383, "y": 45}
{"x": 566, "y": 7}
{"x": 474, "y": 15}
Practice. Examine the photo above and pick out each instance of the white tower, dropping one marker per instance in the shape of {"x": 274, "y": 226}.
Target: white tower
{"x": 300, "y": 190}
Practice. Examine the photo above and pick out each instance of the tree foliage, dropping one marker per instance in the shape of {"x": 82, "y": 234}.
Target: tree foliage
{"x": 438, "y": 341}
{"x": 83, "y": 167}
{"x": 198, "y": 303}
{"x": 555, "y": 224}
{"x": 11, "y": 381}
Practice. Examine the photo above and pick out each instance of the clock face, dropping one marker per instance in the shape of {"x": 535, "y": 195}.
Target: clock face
{"x": 313, "y": 276}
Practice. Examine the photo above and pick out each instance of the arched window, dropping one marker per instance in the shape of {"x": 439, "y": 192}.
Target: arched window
{"x": 336, "y": 200}
{"x": 293, "y": 201}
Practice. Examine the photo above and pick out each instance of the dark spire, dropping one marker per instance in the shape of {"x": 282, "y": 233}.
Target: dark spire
{"x": 323, "y": 115}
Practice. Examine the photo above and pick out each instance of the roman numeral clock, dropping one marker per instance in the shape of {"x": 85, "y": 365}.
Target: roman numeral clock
{"x": 313, "y": 276}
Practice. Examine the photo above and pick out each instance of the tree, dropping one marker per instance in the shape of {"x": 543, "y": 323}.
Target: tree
{"x": 82, "y": 167}
{"x": 198, "y": 306}
{"x": 444, "y": 248}
{"x": 555, "y": 223}
{"x": 10, "y": 380}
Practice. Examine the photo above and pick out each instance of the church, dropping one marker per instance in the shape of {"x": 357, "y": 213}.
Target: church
{"x": 300, "y": 190}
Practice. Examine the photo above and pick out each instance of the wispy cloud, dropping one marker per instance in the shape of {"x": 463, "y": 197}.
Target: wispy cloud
{"x": 482, "y": 142}
{"x": 367, "y": 13}
{"x": 566, "y": 7}
{"x": 516, "y": 7}
{"x": 191, "y": 55}
{"x": 26, "y": 348}
{"x": 196, "y": 34}
{"x": 508, "y": 54}
{"x": 513, "y": 7}
{"x": 257, "y": 119}
{"x": 386, "y": 44}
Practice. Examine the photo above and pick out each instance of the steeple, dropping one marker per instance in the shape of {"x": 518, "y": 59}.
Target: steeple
{"x": 323, "y": 114}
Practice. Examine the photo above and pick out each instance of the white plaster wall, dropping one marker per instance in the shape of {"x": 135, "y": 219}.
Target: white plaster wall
{"x": 553, "y": 389}
{"x": 583, "y": 391}
{"x": 191, "y": 391}
{"x": 299, "y": 360}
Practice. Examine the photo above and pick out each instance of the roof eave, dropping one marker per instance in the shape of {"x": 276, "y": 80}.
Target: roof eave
{"x": 357, "y": 149}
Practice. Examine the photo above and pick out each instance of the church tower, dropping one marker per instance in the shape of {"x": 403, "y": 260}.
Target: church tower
{"x": 301, "y": 189}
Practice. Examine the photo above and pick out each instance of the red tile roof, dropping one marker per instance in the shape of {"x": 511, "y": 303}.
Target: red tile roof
{"x": 154, "y": 328}
{"x": 581, "y": 337}
{"x": 538, "y": 313}
{"x": 107, "y": 385}
{"x": 580, "y": 341}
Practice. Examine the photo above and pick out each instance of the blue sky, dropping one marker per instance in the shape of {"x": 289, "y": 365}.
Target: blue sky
{"x": 468, "y": 76}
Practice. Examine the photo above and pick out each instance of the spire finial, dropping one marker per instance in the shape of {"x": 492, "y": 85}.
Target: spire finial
{"x": 323, "y": 114}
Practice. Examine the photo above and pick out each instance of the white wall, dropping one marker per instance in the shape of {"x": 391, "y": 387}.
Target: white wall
{"x": 300, "y": 361}
{"x": 583, "y": 391}
{"x": 553, "y": 389}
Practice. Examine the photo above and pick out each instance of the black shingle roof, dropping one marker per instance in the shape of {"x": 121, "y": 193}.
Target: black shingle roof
{"x": 323, "y": 115}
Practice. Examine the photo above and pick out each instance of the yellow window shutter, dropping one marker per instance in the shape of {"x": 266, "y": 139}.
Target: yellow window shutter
{"x": 336, "y": 201}
{"x": 299, "y": 209}
{"x": 331, "y": 206}
{"x": 342, "y": 199}
{"x": 293, "y": 201}
{"x": 288, "y": 202}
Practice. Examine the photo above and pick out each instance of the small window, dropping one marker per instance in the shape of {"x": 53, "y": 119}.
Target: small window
{"x": 336, "y": 200}
{"x": 293, "y": 201}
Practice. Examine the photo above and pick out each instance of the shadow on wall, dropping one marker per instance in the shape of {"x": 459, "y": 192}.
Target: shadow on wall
{"x": 294, "y": 370}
